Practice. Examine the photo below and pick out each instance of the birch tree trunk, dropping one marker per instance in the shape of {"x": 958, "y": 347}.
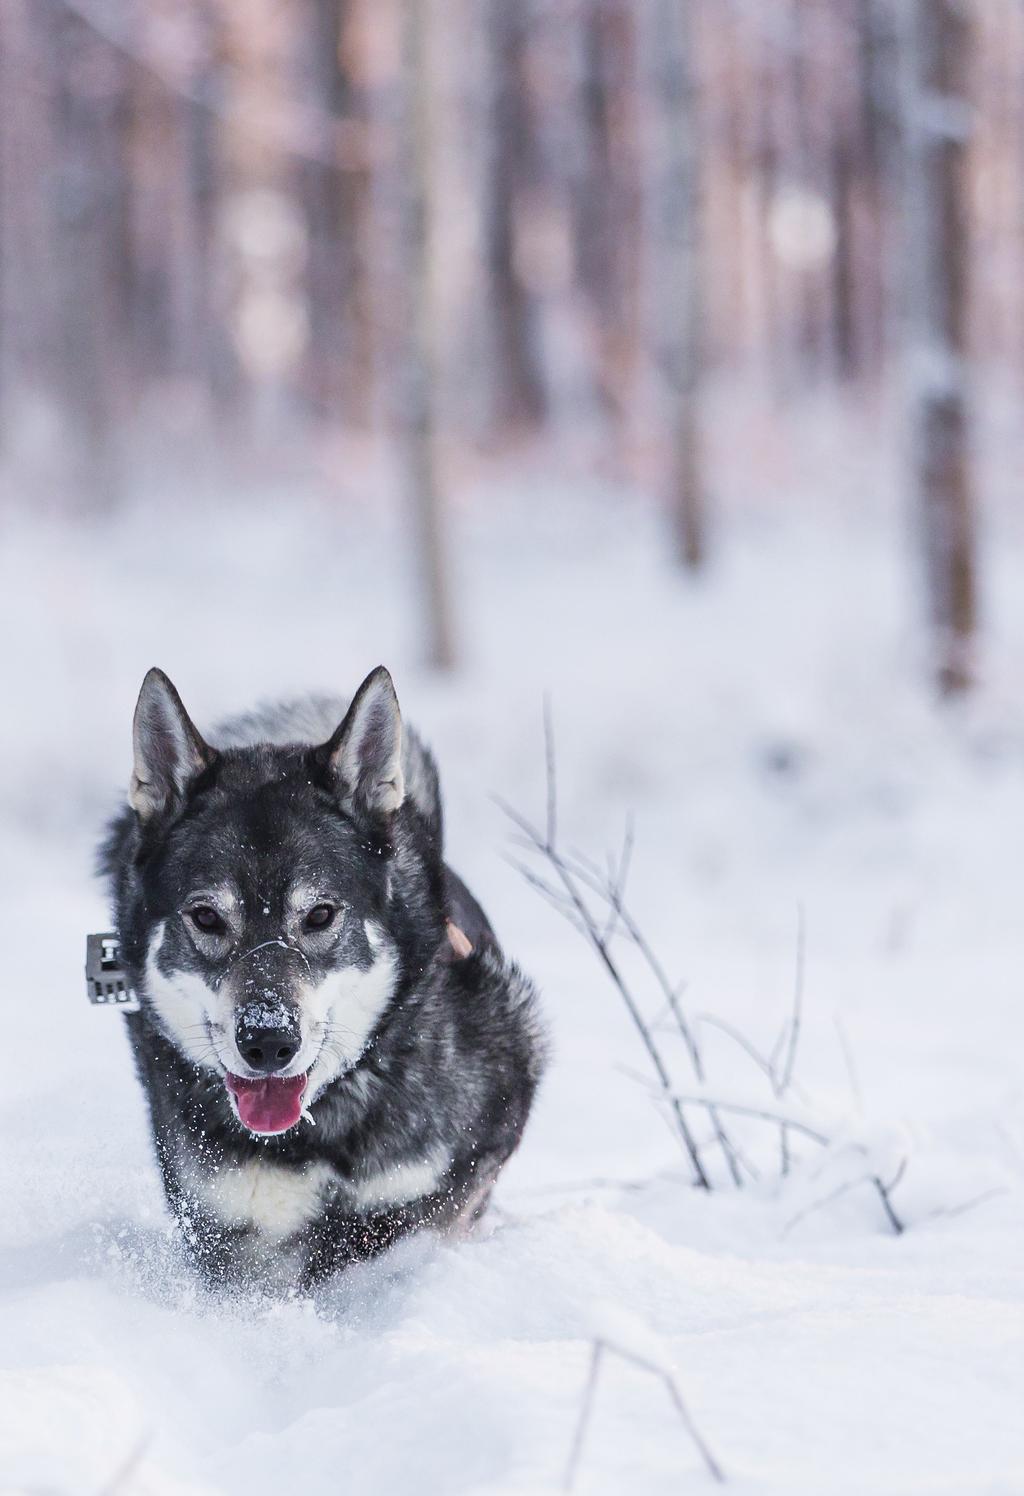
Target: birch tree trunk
{"x": 675, "y": 259}
{"x": 937, "y": 126}
{"x": 418, "y": 373}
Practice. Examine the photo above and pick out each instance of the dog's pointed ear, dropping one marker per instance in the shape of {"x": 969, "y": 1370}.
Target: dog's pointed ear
{"x": 364, "y": 755}
{"x": 169, "y": 753}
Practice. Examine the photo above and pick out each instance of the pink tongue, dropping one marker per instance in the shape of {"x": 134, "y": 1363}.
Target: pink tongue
{"x": 270, "y": 1105}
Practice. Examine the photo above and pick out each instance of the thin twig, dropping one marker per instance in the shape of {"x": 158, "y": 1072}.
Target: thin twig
{"x": 798, "y": 1001}
{"x": 550, "y": 776}
{"x": 786, "y": 1075}
{"x": 836, "y": 1194}
{"x": 575, "y": 1452}
{"x": 128, "y": 1466}
{"x": 671, "y": 1386}
{"x": 547, "y": 847}
{"x": 778, "y": 1119}
{"x": 744, "y": 1043}
{"x": 590, "y": 930}
{"x": 618, "y": 876}
{"x": 966, "y": 1205}
{"x": 584, "y": 870}
{"x": 848, "y": 1060}
{"x": 753, "y": 1111}
{"x": 579, "y": 869}
{"x": 884, "y": 1193}
{"x": 559, "y": 901}
{"x": 901, "y": 1169}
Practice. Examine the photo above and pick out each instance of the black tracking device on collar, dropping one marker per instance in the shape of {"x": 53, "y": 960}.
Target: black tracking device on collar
{"x": 106, "y": 981}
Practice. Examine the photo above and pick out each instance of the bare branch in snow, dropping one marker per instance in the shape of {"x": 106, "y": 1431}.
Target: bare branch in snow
{"x": 569, "y": 1479}
{"x": 760, "y": 1060}
{"x": 966, "y": 1205}
{"x": 849, "y": 1062}
{"x": 611, "y": 890}
{"x": 550, "y": 774}
{"x": 599, "y": 1350}
{"x": 618, "y": 875}
{"x": 742, "y": 1109}
{"x": 884, "y": 1194}
{"x": 576, "y": 875}
{"x": 128, "y": 1467}
{"x": 786, "y": 1075}
{"x": 884, "y": 1191}
{"x": 558, "y": 900}
{"x": 829, "y": 1199}
{"x": 577, "y": 887}
{"x": 792, "y": 1034}
{"x": 570, "y": 903}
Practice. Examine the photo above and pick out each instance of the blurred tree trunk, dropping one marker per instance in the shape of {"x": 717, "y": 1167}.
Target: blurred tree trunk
{"x": 418, "y": 372}
{"x": 845, "y": 166}
{"x": 6, "y": 203}
{"x": 844, "y": 285}
{"x": 518, "y": 394}
{"x": 675, "y": 249}
{"x": 335, "y": 194}
{"x": 938, "y": 127}
{"x": 604, "y": 201}
{"x": 805, "y": 119}
{"x": 319, "y": 186}
{"x": 878, "y": 51}
{"x": 28, "y": 305}
{"x": 166, "y": 275}
{"x": 90, "y": 183}
{"x": 210, "y": 344}
{"x": 767, "y": 156}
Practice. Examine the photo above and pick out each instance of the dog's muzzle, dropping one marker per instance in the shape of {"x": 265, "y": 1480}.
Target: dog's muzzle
{"x": 268, "y": 1037}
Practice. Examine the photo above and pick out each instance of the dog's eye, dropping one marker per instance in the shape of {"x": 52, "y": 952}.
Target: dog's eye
{"x": 319, "y": 917}
{"x": 206, "y": 918}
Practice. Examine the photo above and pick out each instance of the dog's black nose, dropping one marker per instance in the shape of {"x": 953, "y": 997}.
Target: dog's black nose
{"x": 266, "y": 1049}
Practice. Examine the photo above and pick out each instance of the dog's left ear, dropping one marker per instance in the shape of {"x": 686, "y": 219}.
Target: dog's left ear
{"x": 364, "y": 755}
{"x": 169, "y": 753}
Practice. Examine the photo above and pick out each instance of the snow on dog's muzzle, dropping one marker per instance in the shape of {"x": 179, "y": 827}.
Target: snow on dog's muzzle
{"x": 268, "y": 1038}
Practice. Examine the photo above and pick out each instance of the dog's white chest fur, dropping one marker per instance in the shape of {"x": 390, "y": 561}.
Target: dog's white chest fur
{"x": 276, "y": 1201}
{"x": 398, "y": 1185}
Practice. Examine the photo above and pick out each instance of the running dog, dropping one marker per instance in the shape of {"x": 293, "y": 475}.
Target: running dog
{"x": 334, "y": 1050}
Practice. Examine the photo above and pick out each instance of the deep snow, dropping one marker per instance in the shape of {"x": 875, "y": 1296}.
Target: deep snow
{"x": 769, "y": 730}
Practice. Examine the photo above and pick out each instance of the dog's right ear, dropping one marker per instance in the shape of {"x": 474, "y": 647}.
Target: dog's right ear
{"x": 169, "y": 753}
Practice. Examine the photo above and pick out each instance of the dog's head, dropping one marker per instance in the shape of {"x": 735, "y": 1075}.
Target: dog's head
{"x": 264, "y": 920}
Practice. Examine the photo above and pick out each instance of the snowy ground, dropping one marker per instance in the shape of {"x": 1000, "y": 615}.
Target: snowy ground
{"x": 768, "y": 731}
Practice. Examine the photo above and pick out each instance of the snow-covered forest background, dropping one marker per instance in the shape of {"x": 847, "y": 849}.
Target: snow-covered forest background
{"x": 661, "y": 361}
